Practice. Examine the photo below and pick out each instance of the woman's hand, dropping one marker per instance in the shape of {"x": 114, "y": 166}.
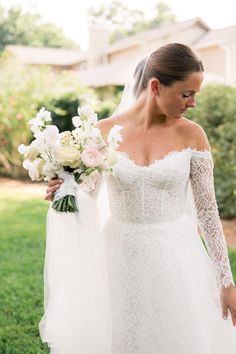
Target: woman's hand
{"x": 228, "y": 301}
{"x": 53, "y": 186}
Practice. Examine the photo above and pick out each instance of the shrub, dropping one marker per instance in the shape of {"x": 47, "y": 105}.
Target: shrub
{"x": 23, "y": 90}
{"x": 216, "y": 113}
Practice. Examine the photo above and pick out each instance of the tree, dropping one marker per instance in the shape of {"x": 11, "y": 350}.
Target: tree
{"x": 124, "y": 21}
{"x": 21, "y": 28}
{"x": 163, "y": 15}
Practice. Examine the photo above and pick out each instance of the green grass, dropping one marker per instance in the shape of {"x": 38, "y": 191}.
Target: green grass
{"x": 232, "y": 258}
{"x": 22, "y": 248}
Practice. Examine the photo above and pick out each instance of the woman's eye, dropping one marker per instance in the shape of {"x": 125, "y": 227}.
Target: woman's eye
{"x": 184, "y": 95}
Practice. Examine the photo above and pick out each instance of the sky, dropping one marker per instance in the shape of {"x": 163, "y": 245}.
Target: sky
{"x": 70, "y": 15}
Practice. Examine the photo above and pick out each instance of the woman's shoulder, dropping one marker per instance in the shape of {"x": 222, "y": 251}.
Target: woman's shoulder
{"x": 106, "y": 124}
{"x": 194, "y": 135}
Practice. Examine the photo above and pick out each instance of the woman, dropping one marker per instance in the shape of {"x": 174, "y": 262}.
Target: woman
{"x": 167, "y": 293}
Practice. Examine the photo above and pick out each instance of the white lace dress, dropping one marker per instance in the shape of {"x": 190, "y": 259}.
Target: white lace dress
{"x": 164, "y": 285}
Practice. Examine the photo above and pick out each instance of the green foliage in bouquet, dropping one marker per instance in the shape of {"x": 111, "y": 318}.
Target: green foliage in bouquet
{"x": 66, "y": 204}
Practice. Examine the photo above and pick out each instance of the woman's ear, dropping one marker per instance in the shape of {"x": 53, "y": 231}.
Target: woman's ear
{"x": 155, "y": 86}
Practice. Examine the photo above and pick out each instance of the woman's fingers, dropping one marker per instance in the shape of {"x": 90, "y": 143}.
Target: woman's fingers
{"x": 49, "y": 197}
{"x": 53, "y": 189}
{"x": 53, "y": 186}
{"x": 225, "y": 312}
{"x": 228, "y": 303}
{"x": 54, "y": 182}
{"x": 233, "y": 316}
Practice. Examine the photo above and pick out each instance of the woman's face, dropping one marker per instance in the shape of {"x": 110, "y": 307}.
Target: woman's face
{"x": 173, "y": 101}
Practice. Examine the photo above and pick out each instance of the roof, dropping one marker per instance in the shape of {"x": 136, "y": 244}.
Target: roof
{"x": 47, "y": 56}
{"x": 116, "y": 73}
{"x": 213, "y": 78}
{"x": 156, "y": 33}
{"x": 68, "y": 57}
{"x": 217, "y": 36}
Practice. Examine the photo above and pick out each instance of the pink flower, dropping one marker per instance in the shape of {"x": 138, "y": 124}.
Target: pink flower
{"x": 91, "y": 157}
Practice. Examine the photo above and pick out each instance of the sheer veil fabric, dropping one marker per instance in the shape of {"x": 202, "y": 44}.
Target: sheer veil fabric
{"x": 77, "y": 317}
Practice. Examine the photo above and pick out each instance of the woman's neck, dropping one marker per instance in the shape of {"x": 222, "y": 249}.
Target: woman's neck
{"x": 147, "y": 114}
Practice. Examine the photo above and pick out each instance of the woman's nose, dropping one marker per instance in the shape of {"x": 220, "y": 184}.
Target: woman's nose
{"x": 191, "y": 102}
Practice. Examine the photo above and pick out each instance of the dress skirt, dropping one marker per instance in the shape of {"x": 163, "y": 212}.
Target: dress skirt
{"x": 164, "y": 294}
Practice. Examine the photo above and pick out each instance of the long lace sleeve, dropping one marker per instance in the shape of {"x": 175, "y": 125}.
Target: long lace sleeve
{"x": 202, "y": 180}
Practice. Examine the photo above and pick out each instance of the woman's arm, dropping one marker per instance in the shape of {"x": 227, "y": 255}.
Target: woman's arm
{"x": 210, "y": 225}
{"x": 202, "y": 180}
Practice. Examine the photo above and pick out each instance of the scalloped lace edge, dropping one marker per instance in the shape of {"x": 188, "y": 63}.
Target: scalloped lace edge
{"x": 199, "y": 153}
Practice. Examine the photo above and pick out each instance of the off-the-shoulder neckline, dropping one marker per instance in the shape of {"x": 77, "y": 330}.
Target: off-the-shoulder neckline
{"x": 194, "y": 151}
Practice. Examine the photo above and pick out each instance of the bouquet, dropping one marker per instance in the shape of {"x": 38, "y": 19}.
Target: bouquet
{"x": 79, "y": 156}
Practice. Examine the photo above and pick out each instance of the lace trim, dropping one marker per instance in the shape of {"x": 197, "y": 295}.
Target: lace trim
{"x": 201, "y": 153}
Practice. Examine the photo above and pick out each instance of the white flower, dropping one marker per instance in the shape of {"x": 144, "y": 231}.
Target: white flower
{"x": 114, "y": 136}
{"x": 78, "y": 134}
{"x": 87, "y": 126}
{"x": 22, "y": 148}
{"x": 35, "y": 129}
{"x": 96, "y": 133}
{"x": 88, "y": 182}
{"x": 44, "y": 115}
{"x": 65, "y": 138}
{"x": 51, "y": 169}
{"x": 85, "y": 111}
{"x": 76, "y": 120}
{"x": 51, "y": 134}
{"x": 39, "y": 142}
{"x": 92, "y": 158}
{"x": 48, "y": 139}
{"x": 111, "y": 157}
{"x": 92, "y": 177}
{"x": 32, "y": 153}
{"x": 67, "y": 156}
{"x": 86, "y": 114}
{"x": 34, "y": 168}
{"x": 36, "y": 122}
{"x": 93, "y": 118}
{"x": 93, "y": 139}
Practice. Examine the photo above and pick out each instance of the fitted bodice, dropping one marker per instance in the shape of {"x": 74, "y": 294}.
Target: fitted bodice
{"x": 150, "y": 194}
{"x": 159, "y": 193}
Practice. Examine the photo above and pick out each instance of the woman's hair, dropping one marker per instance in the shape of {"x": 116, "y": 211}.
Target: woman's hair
{"x": 169, "y": 63}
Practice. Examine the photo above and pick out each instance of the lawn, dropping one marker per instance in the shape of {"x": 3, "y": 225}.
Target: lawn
{"x": 22, "y": 247}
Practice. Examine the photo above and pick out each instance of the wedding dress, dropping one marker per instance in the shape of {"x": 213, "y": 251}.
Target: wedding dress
{"x": 136, "y": 278}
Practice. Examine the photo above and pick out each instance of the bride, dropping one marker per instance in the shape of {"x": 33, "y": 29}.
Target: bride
{"x": 129, "y": 273}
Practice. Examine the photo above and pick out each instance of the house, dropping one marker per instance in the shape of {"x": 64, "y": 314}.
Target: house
{"x": 105, "y": 64}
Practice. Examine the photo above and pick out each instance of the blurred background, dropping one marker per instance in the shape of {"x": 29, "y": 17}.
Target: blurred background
{"x": 61, "y": 56}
